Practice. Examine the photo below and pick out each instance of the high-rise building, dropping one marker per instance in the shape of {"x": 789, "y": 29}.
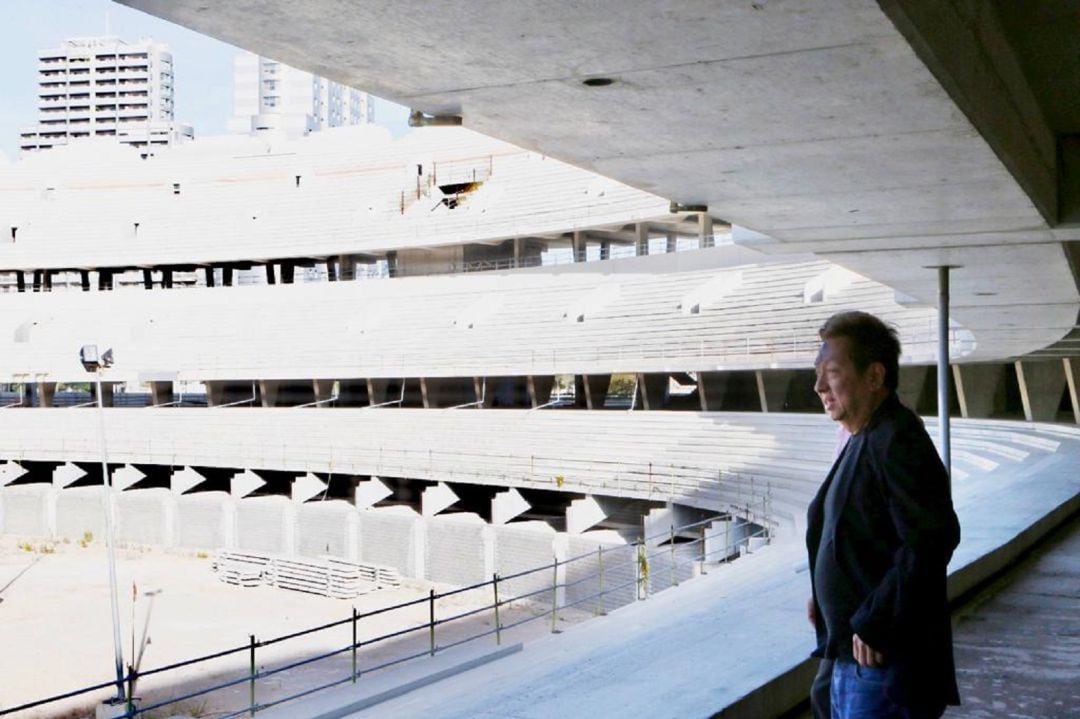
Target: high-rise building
{"x": 269, "y": 95}
{"x": 104, "y": 87}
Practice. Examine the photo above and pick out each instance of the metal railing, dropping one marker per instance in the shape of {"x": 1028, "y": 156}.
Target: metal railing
{"x": 589, "y": 583}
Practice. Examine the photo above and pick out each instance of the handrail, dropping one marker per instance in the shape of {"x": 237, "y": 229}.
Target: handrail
{"x": 642, "y": 579}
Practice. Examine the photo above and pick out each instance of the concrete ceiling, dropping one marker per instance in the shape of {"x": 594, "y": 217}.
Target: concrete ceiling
{"x": 887, "y": 137}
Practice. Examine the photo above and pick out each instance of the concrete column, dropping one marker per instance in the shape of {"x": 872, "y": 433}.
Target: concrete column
{"x": 376, "y": 390}
{"x": 270, "y": 278}
{"x": 641, "y": 244}
{"x": 215, "y": 393}
{"x": 1041, "y": 385}
{"x": 759, "y": 380}
{"x": 482, "y": 395}
{"x": 580, "y": 245}
{"x": 166, "y": 278}
{"x": 591, "y": 390}
{"x": 161, "y": 392}
{"x": 912, "y": 385}
{"x": 227, "y": 275}
{"x": 106, "y": 393}
{"x": 268, "y": 392}
{"x": 540, "y": 389}
{"x": 288, "y": 272}
{"x": 46, "y": 393}
{"x": 84, "y": 280}
{"x": 705, "y": 230}
{"x": 653, "y": 389}
{"x": 209, "y": 271}
{"x": 980, "y": 389}
{"x": 517, "y": 251}
{"x": 46, "y": 280}
{"x": 773, "y": 386}
{"x": 331, "y": 270}
{"x": 147, "y": 280}
{"x": 605, "y": 250}
{"x": 324, "y": 390}
{"x": 672, "y": 244}
{"x": 20, "y": 280}
{"x": 1071, "y": 380}
{"x": 347, "y": 267}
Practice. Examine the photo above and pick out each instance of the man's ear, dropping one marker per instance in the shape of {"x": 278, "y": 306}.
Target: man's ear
{"x": 876, "y": 371}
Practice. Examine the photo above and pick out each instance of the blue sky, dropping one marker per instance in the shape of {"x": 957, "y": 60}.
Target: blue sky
{"x": 203, "y": 66}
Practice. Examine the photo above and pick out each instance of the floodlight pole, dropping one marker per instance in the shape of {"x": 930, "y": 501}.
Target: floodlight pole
{"x": 110, "y": 543}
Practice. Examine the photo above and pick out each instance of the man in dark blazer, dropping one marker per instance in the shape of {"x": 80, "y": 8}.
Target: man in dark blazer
{"x": 880, "y": 533}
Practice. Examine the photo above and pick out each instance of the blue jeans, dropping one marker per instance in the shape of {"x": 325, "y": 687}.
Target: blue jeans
{"x": 859, "y": 692}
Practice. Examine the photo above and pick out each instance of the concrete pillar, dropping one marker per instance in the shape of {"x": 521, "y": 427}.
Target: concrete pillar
{"x": 324, "y": 390}
{"x": 1041, "y": 385}
{"x": 653, "y": 389}
{"x": 591, "y": 390}
{"x": 161, "y": 392}
{"x": 980, "y": 389}
{"x": 672, "y": 244}
{"x": 20, "y": 280}
{"x": 605, "y": 250}
{"x": 912, "y": 385}
{"x": 46, "y": 280}
{"x": 773, "y": 386}
{"x": 84, "y": 280}
{"x": 37, "y": 281}
{"x": 517, "y": 251}
{"x": 227, "y": 275}
{"x": 106, "y": 393}
{"x": 215, "y": 393}
{"x": 485, "y": 398}
{"x": 45, "y": 394}
{"x": 331, "y": 269}
{"x": 288, "y": 272}
{"x": 580, "y": 245}
{"x": 147, "y": 280}
{"x": 376, "y": 390}
{"x": 347, "y": 267}
{"x": 166, "y": 278}
{"x": 540, "y": 389}
{"x": 268, "y": 391}
{"x": 270, "y": 277}
{"x": 641, "y": 244}
{"x": 209, "y": 271}
{"x": 705, "y": 230}
{"x": 1071, "y": 380}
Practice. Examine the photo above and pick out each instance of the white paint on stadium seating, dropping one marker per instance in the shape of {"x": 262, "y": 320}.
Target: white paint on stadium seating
{"x": 406, "y": 327}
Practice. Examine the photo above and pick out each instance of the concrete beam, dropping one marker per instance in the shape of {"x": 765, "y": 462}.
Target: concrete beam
{"x": 306, "y": 487}
{"x": 1071, "y": 380}
{"x": 437, "y": 498}
{"x": 980, "y": 389}
{"x": 1041, "y": 386}
{"x": 244, "y": 484}
{"x": 324, "y": 390}
{"x": 370, "y": 492}
{"x": 184, "y": 480}
{"x": 161, "y": 392}
{"x": 539, "y": 387}
{"x": 507, "y": 505}
{"x": 653, "y": 390}
{"x": 66, "y": 474}
{"x": 125, "y": 477}
{"x": 9, "y": 472}
{"x": 584, "y": 513}
{"x": 268, "y": 391}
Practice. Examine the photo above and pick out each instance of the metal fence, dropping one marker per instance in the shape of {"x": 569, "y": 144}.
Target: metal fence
{"x": 587, "y": 584}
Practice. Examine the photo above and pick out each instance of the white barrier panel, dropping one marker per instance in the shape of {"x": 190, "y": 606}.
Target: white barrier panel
{"x": 80, "y": 510}
{"x": 261, "y": 524}
{"x": 619, "y": 570}
{"x": 455, "y": 552}
{"x": 322, "y": 528}
{"x": 200, "y": 520}
{"x": 388, "y": 537}
{"x": 142, "y": 516}
{"x": 25, "y": 509}
{"x": 520, "y": 546}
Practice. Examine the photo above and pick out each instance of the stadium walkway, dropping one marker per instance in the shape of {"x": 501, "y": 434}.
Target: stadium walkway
{"x": 736, "y": 640}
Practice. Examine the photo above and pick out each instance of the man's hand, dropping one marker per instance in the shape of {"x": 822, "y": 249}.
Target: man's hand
{"x": 864, "y": 654}
{"x": 811, "y": 612}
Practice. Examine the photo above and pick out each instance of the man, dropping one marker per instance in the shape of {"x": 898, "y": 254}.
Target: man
{"x": 880, "y": 533}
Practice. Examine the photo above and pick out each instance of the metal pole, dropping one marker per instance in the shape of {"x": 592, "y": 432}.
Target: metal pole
{"x": 943, "y": 367}
{"x": 498, "y": 626}
{"x": 555, "y": 597}
{"x": 674, "y": 578}
{"x": 251, "y": 686}
{"x": 600, "y": 595}
{"x": 354, "y": 645}
{"x": 431, "y": 614}
{"x": 110, "y": 545}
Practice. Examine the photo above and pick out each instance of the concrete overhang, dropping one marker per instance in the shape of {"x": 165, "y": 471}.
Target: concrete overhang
{"x": 888, "y": 137}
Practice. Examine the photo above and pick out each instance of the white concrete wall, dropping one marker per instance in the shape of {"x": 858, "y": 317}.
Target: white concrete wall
{"x": 79, "y": 510}
{"x": 454, "y": 552}
{"x": 262, "y": 524}
{"x": 323, "y": 528}
{"x": 388, "y": 537}
{"x": 25, "y": 509}
{"x": 201, "y": 520}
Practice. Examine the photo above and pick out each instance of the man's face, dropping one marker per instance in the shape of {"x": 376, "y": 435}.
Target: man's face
{"x": 849, "y": 397}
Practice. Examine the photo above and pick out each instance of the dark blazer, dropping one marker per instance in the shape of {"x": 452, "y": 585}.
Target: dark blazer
{"x": 895, "y": 530}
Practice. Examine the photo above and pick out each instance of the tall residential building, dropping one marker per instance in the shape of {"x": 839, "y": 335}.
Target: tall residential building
{"x": 269, "y": 95}
{"x": 104, "y": 87}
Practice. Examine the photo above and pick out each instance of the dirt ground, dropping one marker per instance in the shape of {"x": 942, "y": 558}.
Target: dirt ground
{"x": 56, "y": 627}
